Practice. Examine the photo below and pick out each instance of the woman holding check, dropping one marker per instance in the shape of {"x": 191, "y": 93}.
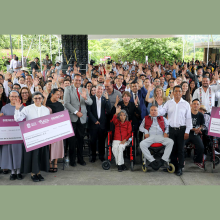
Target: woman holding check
{"x": 35, "y": 160}
{"x": 11, "y": 154}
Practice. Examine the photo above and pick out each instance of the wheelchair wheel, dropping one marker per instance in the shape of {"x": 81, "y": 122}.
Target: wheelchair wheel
{"x": 171, "y": 168}
{"x": 106, "y": 165}
{"x": 132, "y": 165}
{"x": 217, "y": 160}
{"x": 106, "y": 148}
{"x": 144, "y": 168}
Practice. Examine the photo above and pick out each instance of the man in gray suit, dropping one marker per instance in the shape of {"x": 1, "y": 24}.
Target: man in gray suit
{"x": 75, "y": 100}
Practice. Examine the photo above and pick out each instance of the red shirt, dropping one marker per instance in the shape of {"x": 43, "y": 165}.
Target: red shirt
{"x": 122, "y": 131}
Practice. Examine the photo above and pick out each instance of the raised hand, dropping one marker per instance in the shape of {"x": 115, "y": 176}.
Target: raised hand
{"x": 216, "y": 75}
{"x": 36, "y": 82}
{"x": 83, "y": 94}
{"x": 151, "y": 87}
{"x": 136, "y": 101}
{"x": 118, "y": 109}
{"x": 18, "y": 104}
{"x": 106, "y": 95}
{"x": 117, "y": 100}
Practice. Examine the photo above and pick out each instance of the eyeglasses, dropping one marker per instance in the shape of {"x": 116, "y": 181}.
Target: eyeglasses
{"x": 24, "y": 93}
{"x": 1, "y": 87}
{"x": 16, "y": 88}
{"x": 13, "y": 96}
{"x": 37, "y": 98}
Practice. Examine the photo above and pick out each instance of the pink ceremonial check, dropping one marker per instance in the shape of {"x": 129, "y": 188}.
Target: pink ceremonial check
{"x": 214, "y": 125}
{"x": 46, "y": 130}
{"x": 10, "y": 132}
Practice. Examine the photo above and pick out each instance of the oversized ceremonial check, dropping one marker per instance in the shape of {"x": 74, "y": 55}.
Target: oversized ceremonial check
{"x": 46, "y": 130}
{"x": 214, "y": 126}
{"x": 10, "y": 132}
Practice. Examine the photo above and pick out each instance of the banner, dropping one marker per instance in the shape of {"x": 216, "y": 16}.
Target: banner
{"x": 214, "y": 125}
{"x": 46, "y": 130}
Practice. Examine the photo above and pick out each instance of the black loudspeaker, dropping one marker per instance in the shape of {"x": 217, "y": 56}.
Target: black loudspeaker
{"x": 75, "y": 48}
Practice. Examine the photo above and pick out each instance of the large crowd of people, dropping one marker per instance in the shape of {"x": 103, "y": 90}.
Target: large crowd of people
{"x": 167, "y": 103}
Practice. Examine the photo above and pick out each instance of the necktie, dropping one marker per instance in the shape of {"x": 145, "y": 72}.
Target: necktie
{"x": 77, "y": 90}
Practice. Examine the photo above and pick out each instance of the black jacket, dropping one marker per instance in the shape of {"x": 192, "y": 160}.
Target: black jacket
{"x": 92, "y": 113}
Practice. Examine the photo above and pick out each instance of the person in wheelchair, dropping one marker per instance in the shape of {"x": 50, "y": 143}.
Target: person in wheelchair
{"x": 198, "y": 122}
{"x": 156, "y": 129}
{"x": 123, "y": 131}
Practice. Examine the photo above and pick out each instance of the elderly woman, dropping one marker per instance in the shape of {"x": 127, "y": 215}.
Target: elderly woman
{"x": 57, "y": 149}
{"x": 11, "y": 154}
{"x": 35, "y": 160}
{"x": 123, "y": 131}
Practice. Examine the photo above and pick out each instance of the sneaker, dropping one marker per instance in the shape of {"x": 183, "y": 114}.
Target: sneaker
{"x": 120, "y": 168}
{"x": 200, "y": 165}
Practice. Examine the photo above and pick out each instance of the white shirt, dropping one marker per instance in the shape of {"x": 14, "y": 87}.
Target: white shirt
{"x": 205, "y": 96}
{"x": 179, "y": 114}
{"x": 11, "y": 63}
{"x": 98, "y": 104}
{"x": 31, "y": 112}
{"x": 16, "y": 64}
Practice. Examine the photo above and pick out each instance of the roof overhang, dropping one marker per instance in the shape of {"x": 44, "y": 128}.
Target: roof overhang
{"x": 99, "y": 37}
{"x": 205, "y": 45}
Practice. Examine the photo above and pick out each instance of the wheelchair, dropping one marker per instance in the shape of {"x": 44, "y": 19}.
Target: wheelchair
{"x": 210, "y": 149}
{"x": 157, "y": 150}
{"x": 130, "y": 149}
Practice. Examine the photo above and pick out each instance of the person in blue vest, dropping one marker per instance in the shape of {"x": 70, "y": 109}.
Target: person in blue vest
{"x": 156, "y": 130}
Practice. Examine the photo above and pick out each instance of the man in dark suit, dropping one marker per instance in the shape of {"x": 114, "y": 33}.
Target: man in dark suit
{"x": 97, "y": 121}
{"x": 141, "y": 94}
{"x": 75, "y": 100}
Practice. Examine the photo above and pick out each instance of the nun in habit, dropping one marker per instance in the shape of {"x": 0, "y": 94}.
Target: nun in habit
{"x": 11, "y": 154}
{"x": 36, "y": 160}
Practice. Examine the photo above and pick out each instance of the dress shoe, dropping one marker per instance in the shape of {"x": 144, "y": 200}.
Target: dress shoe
{"x": 40, "y": 177}
{"x": 102, "y": 159}
{"x": 35, "y": 178}
{"x": 93, "y": 160}
{"x": 73, "y": 164}
{"x": 123, "y": 167}
{"x": 179, "y": 172}
{"x": 5, "y": 172}
{"x": 13, "y": 177}
{"x": 19, "y": 176}
{"x": 83, "y": 163}
{"x": 120, "y": 168}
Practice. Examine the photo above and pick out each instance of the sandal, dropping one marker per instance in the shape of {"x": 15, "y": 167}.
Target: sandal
{"x": 51, "y": 170}
{"x": 55, "y": 169}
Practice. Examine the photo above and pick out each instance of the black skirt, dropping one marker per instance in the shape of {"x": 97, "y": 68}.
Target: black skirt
{"x": 35, "y": 161}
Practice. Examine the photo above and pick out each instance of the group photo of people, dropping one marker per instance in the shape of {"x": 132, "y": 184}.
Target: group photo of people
{"x": 157, "y": 113}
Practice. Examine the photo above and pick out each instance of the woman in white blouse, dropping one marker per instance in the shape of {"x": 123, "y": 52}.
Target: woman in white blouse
{"x": 36, "y": 160}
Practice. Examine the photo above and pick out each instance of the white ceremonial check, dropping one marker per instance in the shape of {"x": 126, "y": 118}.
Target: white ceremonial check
{"x": 10, "y": 134}
{"x": 46, "y": 130}
{"x": 49, "y": 133}
{"x": 215, "y": 125}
